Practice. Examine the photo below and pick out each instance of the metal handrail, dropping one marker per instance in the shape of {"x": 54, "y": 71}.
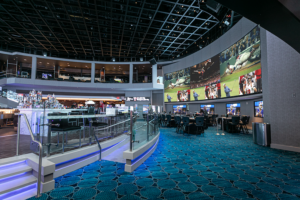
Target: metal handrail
{"x": 98, "y": 146}
{"x": 107, "y": 127}
{"x": 40, "y": 149}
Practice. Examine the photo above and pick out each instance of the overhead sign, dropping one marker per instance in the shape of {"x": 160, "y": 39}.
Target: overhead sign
{"x": 137, "y": 99}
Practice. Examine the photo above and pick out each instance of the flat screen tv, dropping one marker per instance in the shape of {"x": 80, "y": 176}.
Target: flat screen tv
{"x": 210, "y": 109}
{"x": 233, "y": 109}
{"x": 179, "y": 109}
{"x": 145, "y": 109}
{"x": 259, "y": 109}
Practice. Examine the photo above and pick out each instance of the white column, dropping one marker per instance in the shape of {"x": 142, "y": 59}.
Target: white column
{"x": 93, "y": 73}
{"x": 130, "y": 73}
{"x": 33, "y": 67}
{"x": 154, "y": 75}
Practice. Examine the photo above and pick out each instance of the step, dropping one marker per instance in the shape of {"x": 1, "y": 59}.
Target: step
{"x": 13, "y": 170}
{"x": 23, "y": 195}
{"x": 16, "y": 182}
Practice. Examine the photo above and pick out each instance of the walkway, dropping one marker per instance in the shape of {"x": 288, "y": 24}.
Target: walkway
{"x": 191, "y": 167}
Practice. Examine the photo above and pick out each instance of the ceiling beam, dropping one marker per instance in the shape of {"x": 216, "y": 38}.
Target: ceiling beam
{"x": 87, "y": 31}
{"x": 34, "y": 25}
{"x": 187, "y": 10}
{"x": 60, "y": 26}
{"x": 180, "y": 34}
{"x": 64, "y": 7}
{"x": 162, "y": 26}
{"x": 136, "y": 27}
{"x": 110, "y": 28}
{"x": 123, "y": 28}
{"x": 99, "y": 32}
{"x": 145, "y": 34}
{"x": 46, "y": 24}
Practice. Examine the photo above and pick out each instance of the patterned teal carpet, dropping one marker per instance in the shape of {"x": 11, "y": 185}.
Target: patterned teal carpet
{"x": 190, "y": 167}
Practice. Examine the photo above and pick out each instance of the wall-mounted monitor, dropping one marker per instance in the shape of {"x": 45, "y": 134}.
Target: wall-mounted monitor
{"x": 233, "y": 109}
{"x": 258, "y": 109}
{"x": 179, "y": 109}
{"x": 210, "y": 109}
{"x": 145, "y": 109}
{"x": 153, "y": 109}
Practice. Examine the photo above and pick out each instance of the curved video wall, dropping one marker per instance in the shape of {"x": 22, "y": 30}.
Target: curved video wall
{"x": 233, "y": 72}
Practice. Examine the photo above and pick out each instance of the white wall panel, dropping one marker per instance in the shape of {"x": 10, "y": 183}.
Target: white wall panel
{"x": 138, "y": 94}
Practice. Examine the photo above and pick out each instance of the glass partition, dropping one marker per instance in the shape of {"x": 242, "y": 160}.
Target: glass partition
{"x": 142, "y": 73}
{"x": 144, "y": 131}
{"x": 48, "y": 69}
{"x": 15, "y": 66}
{"x": 107, "y": 73}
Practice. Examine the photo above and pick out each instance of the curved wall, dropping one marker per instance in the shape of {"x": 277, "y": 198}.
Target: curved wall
{"x": 238, "y": 31}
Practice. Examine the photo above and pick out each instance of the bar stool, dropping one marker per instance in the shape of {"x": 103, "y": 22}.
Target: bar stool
{"x": 200, "y": 123}
{"x": 178, "y": 123}
{"x": 186, "y": 123}
{"x": 169, "y": 120}
{"x": 234, "y": 123}
{"x": 163, "y": 119}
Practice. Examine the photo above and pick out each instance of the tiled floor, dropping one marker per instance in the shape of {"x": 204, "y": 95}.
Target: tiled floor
{"x": 190, "y": 167}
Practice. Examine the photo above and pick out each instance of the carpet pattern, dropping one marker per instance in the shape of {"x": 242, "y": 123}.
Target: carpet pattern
{"x": 190, "y": 167}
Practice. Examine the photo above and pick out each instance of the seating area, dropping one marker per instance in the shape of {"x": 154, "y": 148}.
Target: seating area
{"x": 235, "y": 123}
{"x": 195, "y": 124}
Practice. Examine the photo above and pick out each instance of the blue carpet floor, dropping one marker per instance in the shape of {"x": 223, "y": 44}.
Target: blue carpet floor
{"x": 190, "y": 167}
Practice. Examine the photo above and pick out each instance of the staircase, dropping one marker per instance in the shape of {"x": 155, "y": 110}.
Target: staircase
{"x": 17, "y": 181}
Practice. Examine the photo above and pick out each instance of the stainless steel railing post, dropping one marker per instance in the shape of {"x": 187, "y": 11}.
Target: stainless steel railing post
{"x": 40, "y": 156}
{"x": 217, "y": 124}
{"x": 147, "y": 127}
{"x": 131, "y": 119}
{"x": 18, "y": 134}
{"x": 223, "y": 125}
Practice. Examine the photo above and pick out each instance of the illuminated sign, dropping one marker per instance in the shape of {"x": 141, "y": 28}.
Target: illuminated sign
{"x": 137, "y": 99}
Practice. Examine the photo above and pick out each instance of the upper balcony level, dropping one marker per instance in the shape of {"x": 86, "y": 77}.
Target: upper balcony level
{"x": 32, "y": 70}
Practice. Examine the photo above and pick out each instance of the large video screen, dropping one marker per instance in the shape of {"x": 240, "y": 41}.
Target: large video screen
{"x": 235, "y": 71}
{"x": 210, "y": 109}
{"x": 205, "y": 80}
{"x": 233, "y": 109}
{"x": 258, "y": 109}
{"x": 240, "y": 60}
{"x": 176, "y": 85}
{"x": 179, "y": 109}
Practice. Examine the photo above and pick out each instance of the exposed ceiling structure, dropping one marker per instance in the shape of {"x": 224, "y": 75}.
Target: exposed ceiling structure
{"x": 111, "y": 30}
{"x": 280, "y": 17}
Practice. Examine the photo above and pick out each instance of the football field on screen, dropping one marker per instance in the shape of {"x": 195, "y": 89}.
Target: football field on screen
{"x": 200, "y": 91}
{"x": 233, "y": 84}
{"x": 173, "y": 93}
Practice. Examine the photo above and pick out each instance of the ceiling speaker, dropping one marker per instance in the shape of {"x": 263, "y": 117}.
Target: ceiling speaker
{"x": 213, "y": 5}
{"x": 152, "y": 61}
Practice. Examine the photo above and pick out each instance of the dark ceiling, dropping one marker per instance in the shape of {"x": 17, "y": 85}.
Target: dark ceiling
{"x": 126, "y": 30}
{"x": 280, "y": 17}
